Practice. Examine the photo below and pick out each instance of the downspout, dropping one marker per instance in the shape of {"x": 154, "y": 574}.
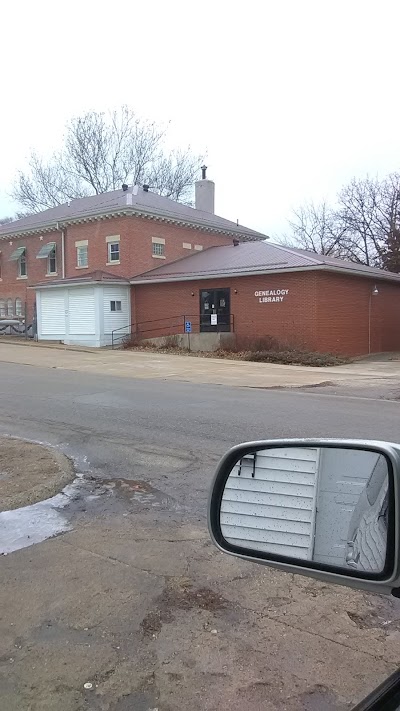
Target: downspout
{"x": 62, "y": 250}
{"x": 63, "y": 254}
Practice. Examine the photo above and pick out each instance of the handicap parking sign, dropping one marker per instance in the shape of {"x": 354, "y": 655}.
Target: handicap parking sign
{"x": 188, "y": 326}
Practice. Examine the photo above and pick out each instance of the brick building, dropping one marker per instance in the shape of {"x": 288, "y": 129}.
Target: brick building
{"x": 121, "y": 234}
{"x": 132, "y": 261}
{"x": 297, "y": 297}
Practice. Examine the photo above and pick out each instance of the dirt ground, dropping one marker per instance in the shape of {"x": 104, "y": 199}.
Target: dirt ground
{"x": 130, "y": 607}
{"x": 30, "y": 473}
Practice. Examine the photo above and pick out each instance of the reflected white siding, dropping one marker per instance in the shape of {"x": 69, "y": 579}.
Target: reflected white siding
{"x": 273, "y": 510}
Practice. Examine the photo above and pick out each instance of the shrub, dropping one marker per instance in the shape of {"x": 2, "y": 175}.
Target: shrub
{"x": 261, "y": 343}
{"x": 296, "y": 357}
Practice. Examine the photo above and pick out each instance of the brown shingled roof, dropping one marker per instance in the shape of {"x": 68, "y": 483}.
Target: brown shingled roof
{"x": 134, "y": 201}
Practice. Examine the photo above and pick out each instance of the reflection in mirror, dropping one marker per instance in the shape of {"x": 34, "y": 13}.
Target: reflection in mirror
{"x": 323, "y": 504}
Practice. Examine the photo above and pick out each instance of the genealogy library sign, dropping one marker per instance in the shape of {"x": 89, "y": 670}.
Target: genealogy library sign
{"x": 273, "y": 295}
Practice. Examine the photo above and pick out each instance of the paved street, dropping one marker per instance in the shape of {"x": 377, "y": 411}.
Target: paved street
{"x": 134, "y": 599}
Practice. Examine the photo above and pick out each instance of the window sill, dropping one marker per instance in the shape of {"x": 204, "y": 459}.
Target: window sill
{"x": 53, "y": 274}
{"x": 158, "y": 256}
{"x": 22, "y": 278}
{"x": 87, "y": 267}
{"x": 110, "y": 264}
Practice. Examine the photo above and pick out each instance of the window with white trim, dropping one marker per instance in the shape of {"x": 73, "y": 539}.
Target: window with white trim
{"x": 22, "y": 268}
{"x": 18, "y": 306}
{"x": 158, "y": 247}
{"x": 10, "y": 308}
{"x": 113, "y": 252}
{"x": 3, "y": 311}
{"x": 82, "y": 255}
{"x": 115, "y": 306}
{"x": 52, "y": 262}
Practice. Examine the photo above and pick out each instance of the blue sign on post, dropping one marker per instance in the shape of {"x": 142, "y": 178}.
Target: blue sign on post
{"x": 188, "y": 327}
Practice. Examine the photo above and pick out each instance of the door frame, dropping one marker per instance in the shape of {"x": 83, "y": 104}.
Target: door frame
{"x": 226, "y": 328}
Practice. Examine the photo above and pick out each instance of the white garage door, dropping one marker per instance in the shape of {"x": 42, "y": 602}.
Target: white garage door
{"x": 52, "y": 308}
{"x": 81, "y": 318}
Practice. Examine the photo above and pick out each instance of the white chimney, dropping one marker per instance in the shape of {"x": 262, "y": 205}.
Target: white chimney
{"x": 204, "y": 192}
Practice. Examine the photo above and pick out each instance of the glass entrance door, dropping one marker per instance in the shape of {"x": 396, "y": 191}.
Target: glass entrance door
{"x": 215, "y": 310}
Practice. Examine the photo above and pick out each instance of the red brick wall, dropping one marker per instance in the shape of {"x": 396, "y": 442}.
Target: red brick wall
{"x": 291, "y": 321}
{"x": 343, "y": 319}
{"x": 135, "y": 251}
{"x": 10, "y": 285}
{"x": 321, "y": 312}
{"x": 135, "y": 244}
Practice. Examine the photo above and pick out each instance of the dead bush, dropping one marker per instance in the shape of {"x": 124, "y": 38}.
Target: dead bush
{"x": 296, "y": 357}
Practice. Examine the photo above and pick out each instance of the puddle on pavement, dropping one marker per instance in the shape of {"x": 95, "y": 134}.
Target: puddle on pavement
{"x": 141, "y": 493}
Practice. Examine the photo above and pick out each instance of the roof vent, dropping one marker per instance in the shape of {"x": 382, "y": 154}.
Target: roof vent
{"x": 146, "y": 188}
{"x": 235, "y": 242}
{"x": 124, "y": 187}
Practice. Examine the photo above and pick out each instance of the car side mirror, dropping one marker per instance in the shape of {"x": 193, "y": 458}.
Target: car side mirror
{"x": 328, "y": 509}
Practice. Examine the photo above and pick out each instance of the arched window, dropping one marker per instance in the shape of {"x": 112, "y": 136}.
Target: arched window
{"x": 18, "y": 307}
{"x": 10, "y": 307}
{"x": 3, "y": 312}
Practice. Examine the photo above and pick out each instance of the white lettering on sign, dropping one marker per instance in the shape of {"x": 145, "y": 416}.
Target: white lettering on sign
{"x": 271, "y": 295}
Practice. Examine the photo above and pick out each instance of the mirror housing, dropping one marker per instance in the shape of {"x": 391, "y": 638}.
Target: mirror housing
{"x": 382, "y": 581}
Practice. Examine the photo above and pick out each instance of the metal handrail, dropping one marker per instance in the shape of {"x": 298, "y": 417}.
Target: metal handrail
{"x": 178, "y": 322}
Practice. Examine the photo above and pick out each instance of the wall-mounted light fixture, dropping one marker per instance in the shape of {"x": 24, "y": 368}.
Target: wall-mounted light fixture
{"x": 235, "y": 291}
{"x": 374, "y": 292}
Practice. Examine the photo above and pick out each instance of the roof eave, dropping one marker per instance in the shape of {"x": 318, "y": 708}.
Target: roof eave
{"x": 69, "y": 284}
{"x": 387, "y": 276}
{"x": 55, "y": 225}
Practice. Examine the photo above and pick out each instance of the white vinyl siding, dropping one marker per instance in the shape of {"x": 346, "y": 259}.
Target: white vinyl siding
{"x": 274, "y": 510}
{"x": 116, "y": 319}
{"x": 82, "y": 314}
{"x": 82, "y": 318}
{"x": 52, "y": 313}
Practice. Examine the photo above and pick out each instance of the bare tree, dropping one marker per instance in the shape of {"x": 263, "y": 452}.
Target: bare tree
{"x": 358, "y": 207}
{"x": 100, "y": 153}
{"x": 6, "y": 220}
{"x": 363, "y": 226}
{"x": 317, "y": 228}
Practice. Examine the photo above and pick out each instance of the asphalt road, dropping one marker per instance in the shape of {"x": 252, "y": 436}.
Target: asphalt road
{"x": 168, "y": 433}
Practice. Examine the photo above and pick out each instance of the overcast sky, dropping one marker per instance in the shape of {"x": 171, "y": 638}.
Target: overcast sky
{"x": 289, "y": 98}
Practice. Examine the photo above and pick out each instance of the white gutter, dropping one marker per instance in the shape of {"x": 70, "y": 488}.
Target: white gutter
{"x": 263, "y": 272}
{"x": 61, "y": 229}
{"x": 63, "y": 254}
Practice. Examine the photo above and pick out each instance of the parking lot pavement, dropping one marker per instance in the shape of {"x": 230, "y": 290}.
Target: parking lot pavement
{"x": 138, "y": 610}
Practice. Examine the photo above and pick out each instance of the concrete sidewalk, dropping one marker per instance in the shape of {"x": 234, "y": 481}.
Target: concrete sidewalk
{"x": 139, "y": 364}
